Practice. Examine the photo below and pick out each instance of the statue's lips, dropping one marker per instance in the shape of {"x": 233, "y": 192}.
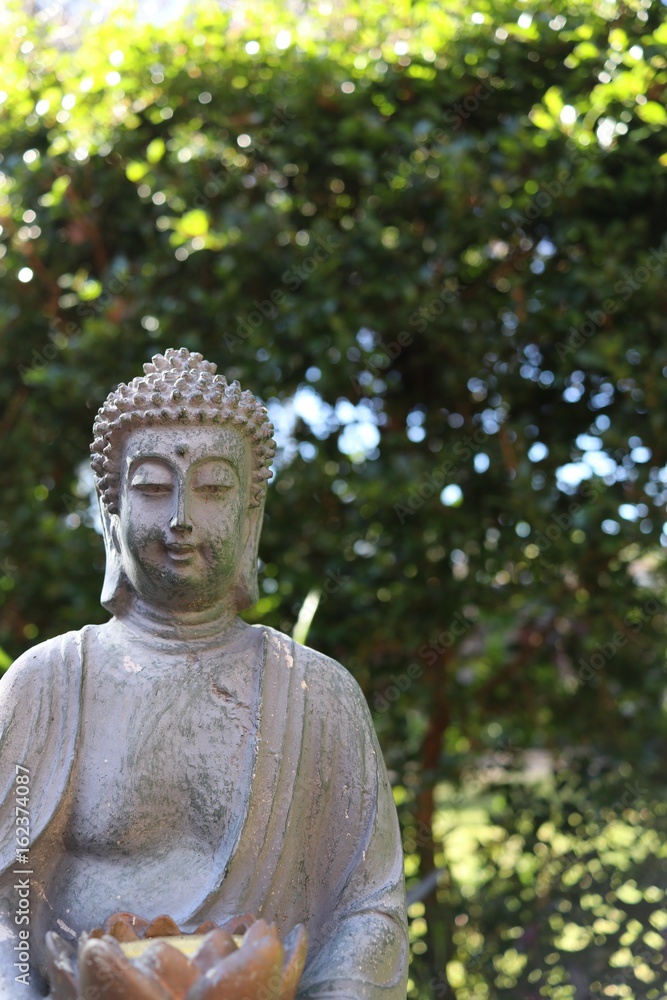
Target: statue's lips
{"x": 181, "y": 551}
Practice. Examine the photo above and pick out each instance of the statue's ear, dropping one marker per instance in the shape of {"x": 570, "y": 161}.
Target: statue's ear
{"x": 246, "y": 589}
{"x": 113, "y": 531}
{"x": 116, "y": 591}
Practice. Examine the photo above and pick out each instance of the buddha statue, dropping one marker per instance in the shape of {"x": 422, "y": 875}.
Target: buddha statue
{"x": 176, "y": 760}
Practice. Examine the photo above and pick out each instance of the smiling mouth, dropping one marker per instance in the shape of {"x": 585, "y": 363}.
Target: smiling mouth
{"x": 181, "y": 552}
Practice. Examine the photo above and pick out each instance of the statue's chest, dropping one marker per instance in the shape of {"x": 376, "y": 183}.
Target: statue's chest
{"x": 163, "y": 755}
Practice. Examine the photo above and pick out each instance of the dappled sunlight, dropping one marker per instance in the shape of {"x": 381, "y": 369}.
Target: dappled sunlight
{"x": 431, "y": 238}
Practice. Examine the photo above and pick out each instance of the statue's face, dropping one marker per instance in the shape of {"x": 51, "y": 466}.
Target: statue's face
{"x": 183, "y": 521}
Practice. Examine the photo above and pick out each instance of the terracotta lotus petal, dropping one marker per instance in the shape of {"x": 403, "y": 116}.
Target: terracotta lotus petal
{"x": 128, "y": 963}
{"x": 253, "y": 970}
{"x": 106, "y": 974}
{"x": 296, "y": 950}
{"x": 215, "y": 946}
{"x": 162, "y": 926}
{"x": 122, "y": 931}
{"x": 136, "y": 924}
{"x": 258, "y": 930}
{"x": 61, "y": 963}
{"x": 169, "y": 965}
{"x": 238, "y": 924}
{"x": 208, "y": 925}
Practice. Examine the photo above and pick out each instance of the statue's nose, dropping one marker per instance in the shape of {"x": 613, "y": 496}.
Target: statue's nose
{"x": 180, "y": 521}
{"x": 180, "y": 524}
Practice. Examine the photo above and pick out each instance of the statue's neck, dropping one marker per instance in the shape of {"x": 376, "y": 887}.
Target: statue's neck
{"x": 163, "y": 623}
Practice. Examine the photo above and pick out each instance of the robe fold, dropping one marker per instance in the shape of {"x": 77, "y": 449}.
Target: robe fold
{"x": 317, "y": 841}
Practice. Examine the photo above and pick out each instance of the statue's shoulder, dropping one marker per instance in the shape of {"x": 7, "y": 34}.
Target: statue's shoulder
{"x": 40, "y": 660}
{"x": 326, "y": 678}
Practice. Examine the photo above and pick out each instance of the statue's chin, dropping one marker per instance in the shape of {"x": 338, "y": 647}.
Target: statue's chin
{"x": 180, "y": 585}
{"x": 183, "y": 596}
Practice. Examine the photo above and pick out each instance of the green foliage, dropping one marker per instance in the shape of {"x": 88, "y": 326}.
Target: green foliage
{"x": 433, "y": 239}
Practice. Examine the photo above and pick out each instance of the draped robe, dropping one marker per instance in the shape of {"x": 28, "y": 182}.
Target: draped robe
{"x": 311, "y": 835}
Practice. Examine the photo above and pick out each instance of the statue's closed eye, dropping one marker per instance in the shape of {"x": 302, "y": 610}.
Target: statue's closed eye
{"x": 212, "y": 479}
{"x": 150, "y": 489}
{"x": 212, "y": 489}
{"x": 152, "y": 479}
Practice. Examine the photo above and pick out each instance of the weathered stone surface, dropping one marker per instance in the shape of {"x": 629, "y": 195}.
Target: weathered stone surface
{"x": 181, "y": 762}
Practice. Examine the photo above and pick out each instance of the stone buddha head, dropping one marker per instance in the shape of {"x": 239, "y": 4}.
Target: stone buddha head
{"x": 181, "y": 459}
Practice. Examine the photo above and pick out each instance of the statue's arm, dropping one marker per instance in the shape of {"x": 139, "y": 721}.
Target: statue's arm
{"x": 17, "y": 703}
{"x": 362, "y": 951}
{"x": 38, "y": 718}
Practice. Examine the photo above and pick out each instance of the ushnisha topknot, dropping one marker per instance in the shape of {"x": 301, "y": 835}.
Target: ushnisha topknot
{"x": 177, "y": 387}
